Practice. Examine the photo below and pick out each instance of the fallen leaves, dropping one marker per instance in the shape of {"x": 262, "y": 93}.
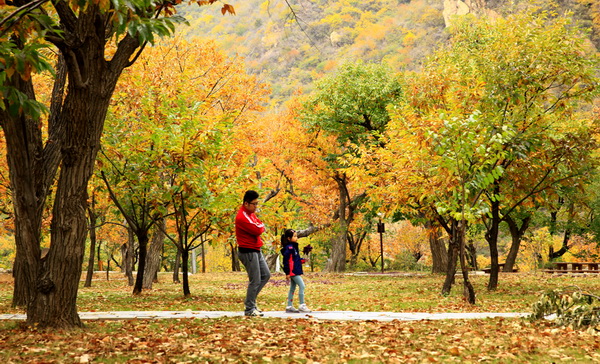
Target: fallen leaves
{"x": 280, "y": 340}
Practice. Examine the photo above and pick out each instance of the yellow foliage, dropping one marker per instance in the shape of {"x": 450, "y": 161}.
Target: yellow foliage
{"x": 7, "y": 251}
{"x": 534, "y": 250}
{"x": 409, "y": 39}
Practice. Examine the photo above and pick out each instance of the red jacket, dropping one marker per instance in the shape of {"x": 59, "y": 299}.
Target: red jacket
{"x": 248, "y": 229}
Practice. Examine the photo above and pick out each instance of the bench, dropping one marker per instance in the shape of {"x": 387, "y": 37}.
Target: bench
{"x": 575, "y": 267}
{"x": 488, "y": 270}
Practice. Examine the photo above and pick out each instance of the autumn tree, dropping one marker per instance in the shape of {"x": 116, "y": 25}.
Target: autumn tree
{"x": 87, "y": 70}
{"x": 520, "y": 91}
{"x": 184, "y": 164}
{"x": 349, "y": 105}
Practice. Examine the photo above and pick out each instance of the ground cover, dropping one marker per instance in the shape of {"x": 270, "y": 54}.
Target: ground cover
{"x": 281, "y": 340}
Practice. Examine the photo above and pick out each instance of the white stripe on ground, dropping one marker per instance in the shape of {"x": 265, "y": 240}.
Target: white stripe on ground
{"x": 318, "y": 315}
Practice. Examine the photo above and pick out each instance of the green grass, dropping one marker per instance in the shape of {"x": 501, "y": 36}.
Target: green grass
{"x": 330, "y": 292}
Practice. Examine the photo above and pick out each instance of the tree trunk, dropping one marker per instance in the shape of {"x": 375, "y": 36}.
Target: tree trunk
{"x": 453, "y": 253}
{"x": 129, "y": 256}
{"x": 203, "y": 258}
{"x": 92, "y": 258}
{"x": 142, "y": 236}
{"x": 184, "y": 273}
{"x": 439, "y": 252}
{"x": 516, "y": 234}
{"x": 235, "y": 262}
{"x": 468, "y": 291}
{"x": 74, "y": 127}
{"x": 55, "y": 302}
{"x": 32, "y": 170}
{"x": 566, "y": 237}
{"x": 337, "y": 262}
{"x": 154, "y": 256}
{"x": 491, "y": 236}
{"x": 176, "y": 267}
{"x": 355, "y": 243}
{"x": 271, "y": 260}
{"x": 471, "y": 255}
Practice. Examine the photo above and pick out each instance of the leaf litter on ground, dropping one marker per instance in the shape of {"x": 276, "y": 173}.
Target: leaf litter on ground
{"x": 304, "y": 340}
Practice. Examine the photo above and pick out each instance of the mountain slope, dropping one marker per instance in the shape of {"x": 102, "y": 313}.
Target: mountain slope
{"x": 291, "y": 44}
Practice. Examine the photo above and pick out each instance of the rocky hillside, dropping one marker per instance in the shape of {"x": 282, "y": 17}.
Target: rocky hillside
{"x": 292, "y": 43}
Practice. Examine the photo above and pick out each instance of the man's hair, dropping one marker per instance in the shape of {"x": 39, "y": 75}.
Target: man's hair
{"x": 250, "y": 196}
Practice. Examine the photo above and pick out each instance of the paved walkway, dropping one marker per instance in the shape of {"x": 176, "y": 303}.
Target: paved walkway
{"x": 317, "y": 315}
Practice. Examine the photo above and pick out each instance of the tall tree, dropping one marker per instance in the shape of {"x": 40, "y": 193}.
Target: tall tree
{"x": 524, "y": 88}
{"x": 182, "y": 160}
{"x": 350, "y": 105}
{"x": 87, "y": 71}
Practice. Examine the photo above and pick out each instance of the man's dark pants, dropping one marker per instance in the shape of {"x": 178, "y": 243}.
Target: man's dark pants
{"x": 258, "y": 276}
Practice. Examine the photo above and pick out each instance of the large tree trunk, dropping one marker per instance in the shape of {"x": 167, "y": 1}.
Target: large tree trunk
{"x": 74, "y": 127}
{"x": 154, "y": 256}
{"x": 32, "y": 169}
{"x": 437, "y": 245}
{"x": 55, "y": 302}
{"x": 271, "y": 260}
{"x": 516, "y": 234}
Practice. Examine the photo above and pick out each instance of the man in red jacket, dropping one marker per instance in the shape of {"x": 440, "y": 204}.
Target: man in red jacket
{"x": 247, "y": 232}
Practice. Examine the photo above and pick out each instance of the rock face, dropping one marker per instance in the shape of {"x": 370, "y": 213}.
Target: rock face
{"x": 454, "y": 8}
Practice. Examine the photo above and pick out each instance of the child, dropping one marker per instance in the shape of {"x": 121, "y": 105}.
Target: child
{"x": 292, "y": 267}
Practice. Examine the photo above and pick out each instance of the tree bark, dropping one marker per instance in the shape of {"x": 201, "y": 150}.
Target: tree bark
{"x": 453, "y": 253}
{"x": 516, "y": 234}
{"x": 154, "y": 256}
{"x": 355, "y": 243}
{"x": 235, "y": 262}
{"x": 468, "y": 291}
{"x": 491, "y": 236}
{"x": 337, "y": 262}
{"x": 32, "y": 169}
{"x": 439, "y": 252}
{"x": 472, "y": 255}
{"x": 92, "y": 258}
{"x": 129, "y": 259}
{"x": 142, "y": 237}
{"x": 567, "y": 234}
{"x": 184, "y": 273}
{"x": 50, "y": 285}
{"x": 176, "y": 267}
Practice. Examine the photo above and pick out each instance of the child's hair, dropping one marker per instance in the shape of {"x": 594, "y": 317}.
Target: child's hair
{"x": 287, "y": 234}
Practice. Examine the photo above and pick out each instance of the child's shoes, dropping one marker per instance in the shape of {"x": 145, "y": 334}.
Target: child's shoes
{"x": 291, "y": 309}
{"x": 303, "y": 308}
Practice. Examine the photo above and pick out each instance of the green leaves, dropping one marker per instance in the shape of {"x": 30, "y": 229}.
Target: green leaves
{"x": 572, "y": 306}
{"x": 138, "y": 18}
{"x": 352, "y": 103}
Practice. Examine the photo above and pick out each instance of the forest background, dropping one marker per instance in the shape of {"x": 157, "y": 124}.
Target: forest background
{"x": 286, "y": 53}
{"x": 195, "y": 122}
